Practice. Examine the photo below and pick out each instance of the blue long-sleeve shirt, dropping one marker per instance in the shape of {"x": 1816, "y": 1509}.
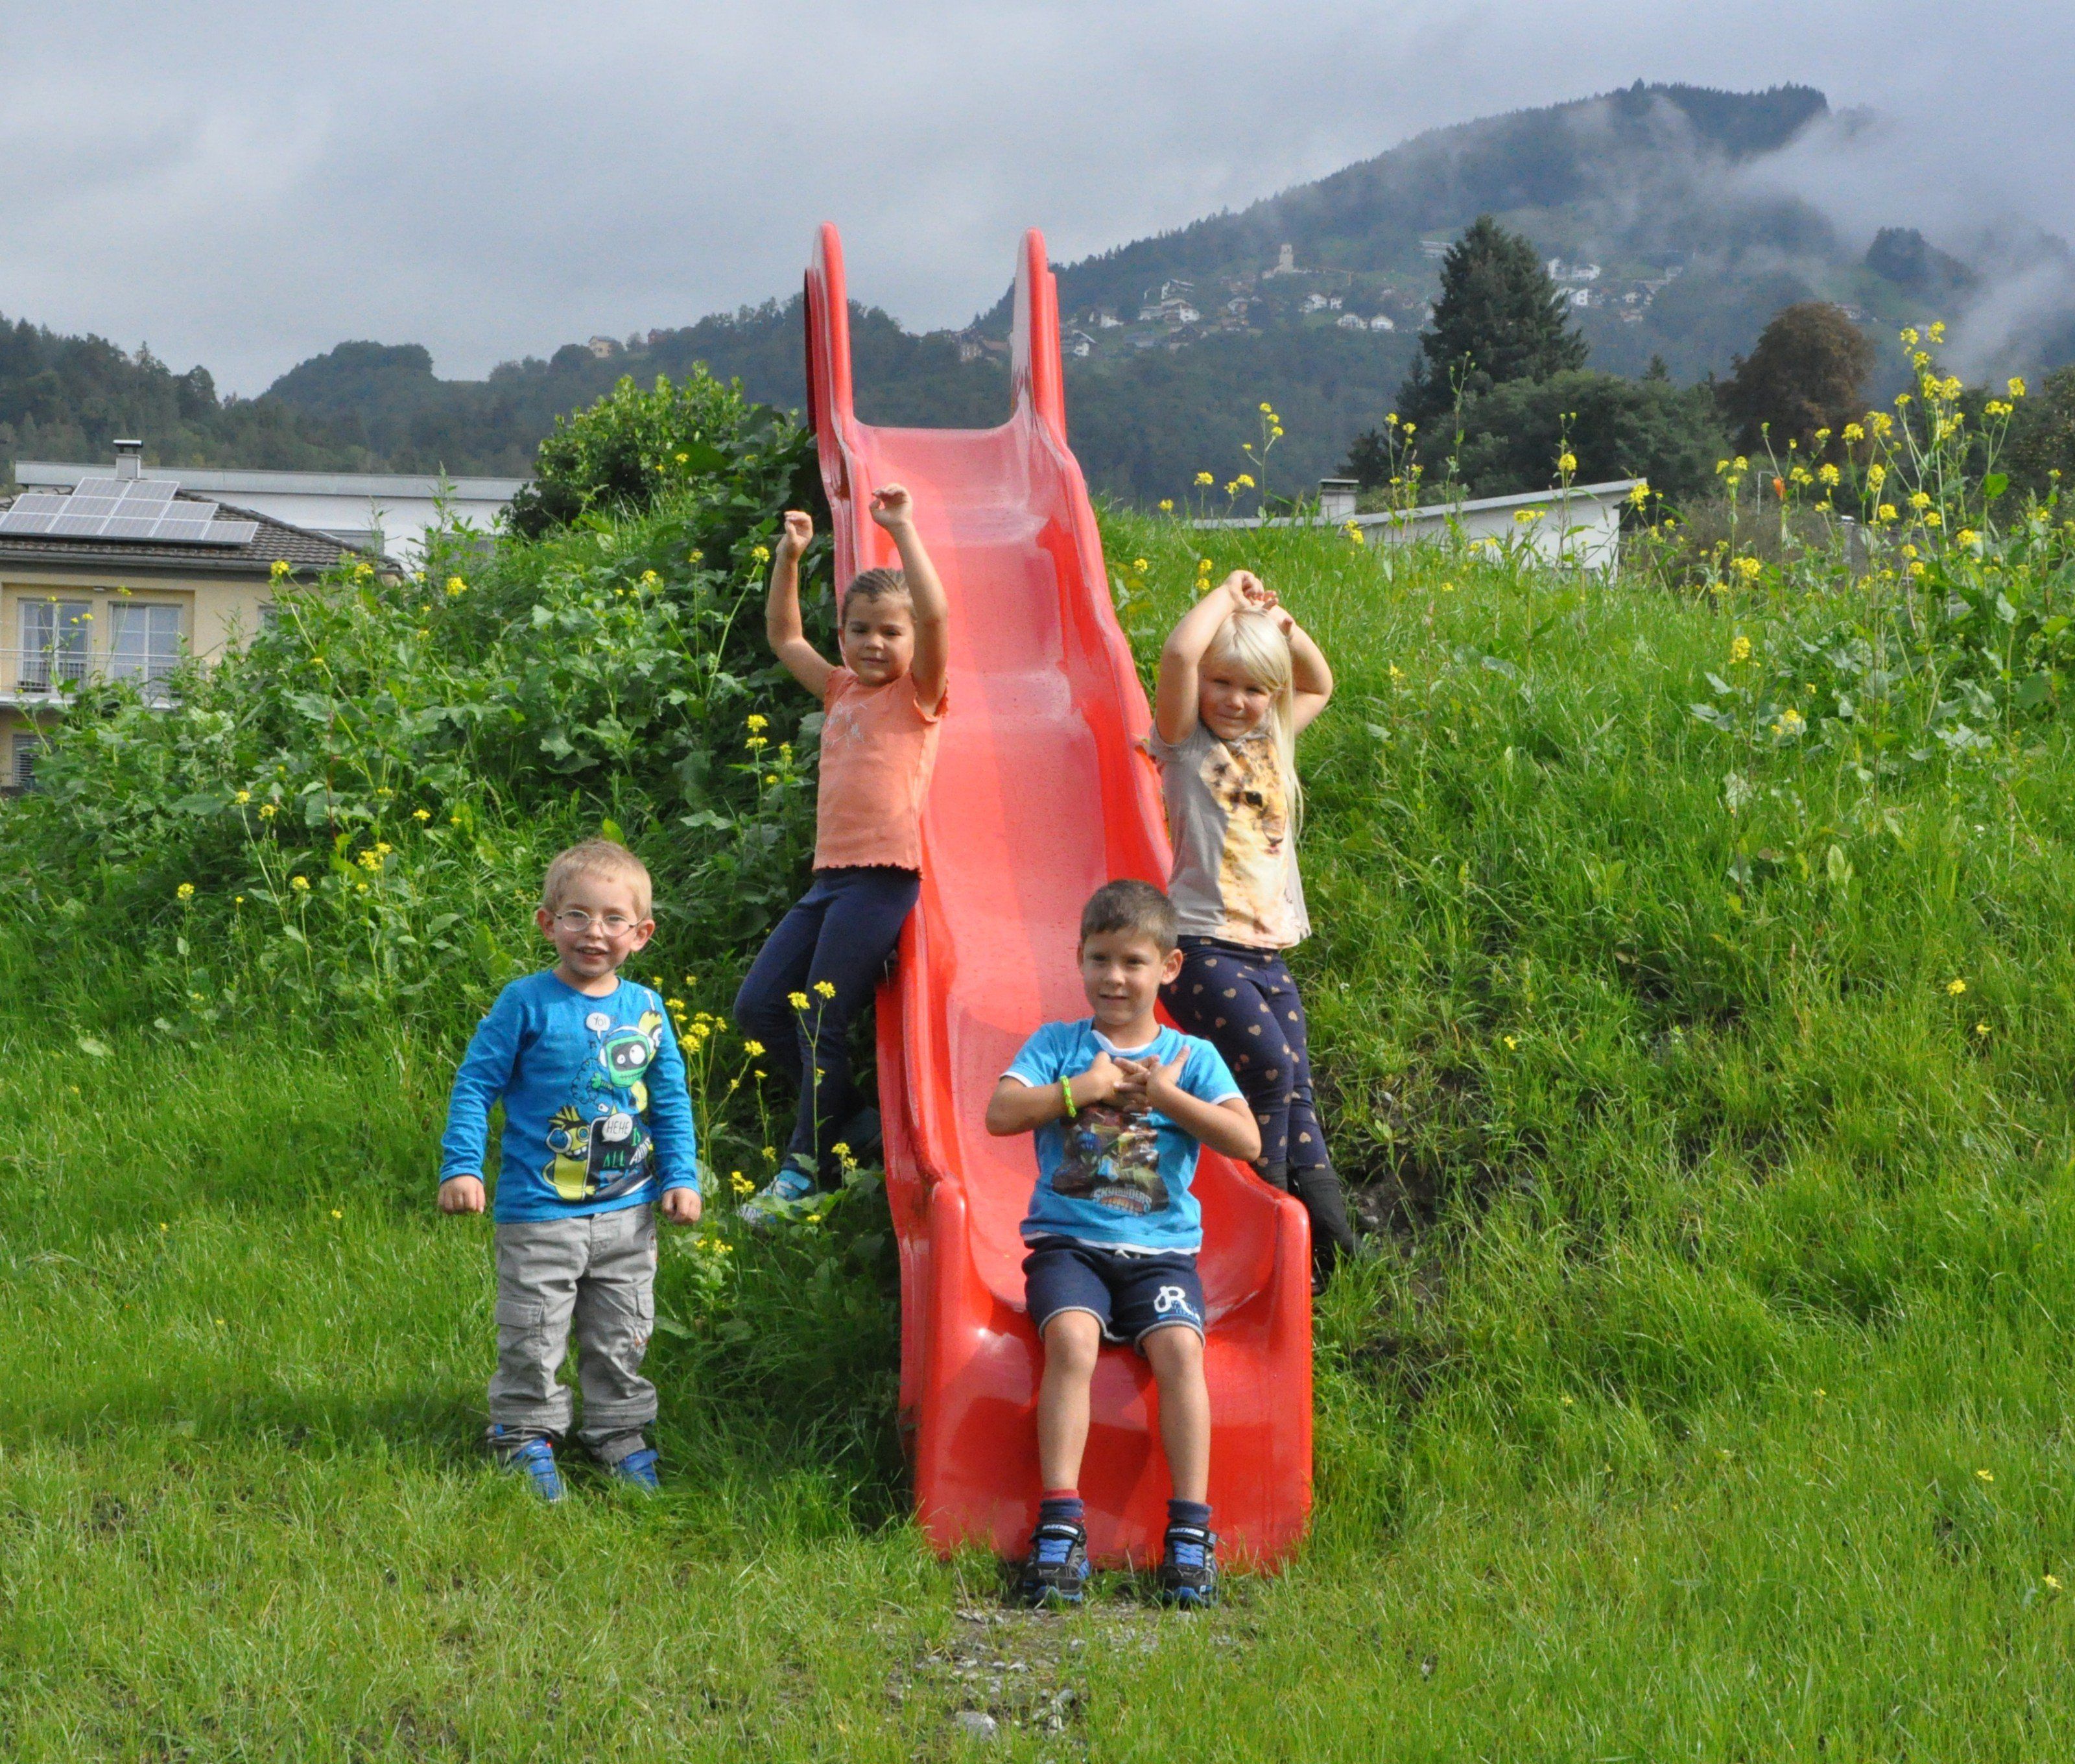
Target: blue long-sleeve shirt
{"x": 596, "y": 1115}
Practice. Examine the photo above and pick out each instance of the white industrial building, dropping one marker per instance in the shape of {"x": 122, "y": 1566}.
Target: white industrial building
{"x": 389, "y": 512}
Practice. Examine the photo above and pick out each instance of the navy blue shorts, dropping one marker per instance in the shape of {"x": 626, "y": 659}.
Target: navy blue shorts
{"x": 1130, "y": 1296}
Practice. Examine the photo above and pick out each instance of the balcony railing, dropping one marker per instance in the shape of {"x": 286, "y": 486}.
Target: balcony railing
{"x": 55, "y": 672}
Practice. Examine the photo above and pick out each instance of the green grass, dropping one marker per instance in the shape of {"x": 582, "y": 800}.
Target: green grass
{"x": 1726, "y": 1257}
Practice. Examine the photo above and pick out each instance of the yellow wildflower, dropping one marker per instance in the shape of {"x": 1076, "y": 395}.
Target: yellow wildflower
{"x": 1740, "y": 650}
{"x": 1854, "y": 432}
{"x": 1829, "y": 474}
{"x": 1567, "y": 463}
{"x": 268, "y": 810}
{"x": 1985, "y": 1476}
{"x": 1641, "y": 494}
{"x": 1955, "y": 987}
{"x": 1205, "y": 477}
{"x": 455, "y": 586}
{"x": 421, "y": 815}
{"x": 1167, "y": 505}
{"x": 300, "y": 883}
{"x": 825, "y": 988}
{"x": 760, "y": 554}
{"x": 1245, "y": 479}
{"x": 242, "y": 797}
{"x": 2016, "y": 385}
{"x": 1886, "y": 512}
{"x": 186, "y": 890}
{"x": 1138, "y": 565}
{"x": 752, "y": 1049}
{"x": 797, "y": 1000}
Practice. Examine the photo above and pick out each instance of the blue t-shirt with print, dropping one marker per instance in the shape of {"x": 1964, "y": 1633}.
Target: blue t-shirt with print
{"x": 1107, "y": 1177}
{"x": 596, "y": 1115}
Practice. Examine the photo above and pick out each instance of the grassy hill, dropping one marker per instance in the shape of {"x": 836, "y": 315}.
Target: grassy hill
{"x": 1706, "y": 1395}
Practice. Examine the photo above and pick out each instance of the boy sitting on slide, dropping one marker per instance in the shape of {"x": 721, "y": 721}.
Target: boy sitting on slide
{"x": 1120, "y": 1106}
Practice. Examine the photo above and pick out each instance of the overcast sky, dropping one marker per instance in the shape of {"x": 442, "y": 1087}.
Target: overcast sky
{"x": 244, "y": 185}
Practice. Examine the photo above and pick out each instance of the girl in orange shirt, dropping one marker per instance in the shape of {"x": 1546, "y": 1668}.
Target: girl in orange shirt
{"x": 883, "y": 708}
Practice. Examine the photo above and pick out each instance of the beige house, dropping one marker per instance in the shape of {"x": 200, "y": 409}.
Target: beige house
{"x": 121, "y": 579}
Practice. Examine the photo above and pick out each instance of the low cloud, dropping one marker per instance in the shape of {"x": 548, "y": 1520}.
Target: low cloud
{"x": 244, "y": 185}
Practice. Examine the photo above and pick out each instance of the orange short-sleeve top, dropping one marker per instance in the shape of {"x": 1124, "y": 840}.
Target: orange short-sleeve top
{"x": 878, "y": 745}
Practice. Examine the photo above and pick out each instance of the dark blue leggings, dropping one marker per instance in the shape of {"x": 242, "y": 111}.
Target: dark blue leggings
{"x": 1245, "y": 1003}
{"x": 839, "y": 936}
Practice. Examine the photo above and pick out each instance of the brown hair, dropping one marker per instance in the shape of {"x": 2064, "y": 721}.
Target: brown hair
{"x": 600, "y": 858}
{"x": 874, "y": 585}
{"x": 1136, "y": 908}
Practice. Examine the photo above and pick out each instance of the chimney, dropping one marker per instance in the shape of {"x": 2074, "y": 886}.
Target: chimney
{"x": 1337, "y": 497}
{"x": 129, "y": 458}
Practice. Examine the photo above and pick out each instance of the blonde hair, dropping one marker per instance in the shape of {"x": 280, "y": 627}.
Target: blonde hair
{"x": 604, "y": 859}
{"x": 1254, "y": 643}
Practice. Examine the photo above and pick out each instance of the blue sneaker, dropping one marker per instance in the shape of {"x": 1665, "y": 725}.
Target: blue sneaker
{"x": 637, "y": 1470}
{"x": 1056, "y": 1571}
{"x": 1189, "y": 1566}
{"x": 788, "y": 1194}
{"x": 536, "y": 1461}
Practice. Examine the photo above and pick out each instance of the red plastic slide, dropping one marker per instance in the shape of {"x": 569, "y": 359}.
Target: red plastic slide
{"x": 1041, "y": 794}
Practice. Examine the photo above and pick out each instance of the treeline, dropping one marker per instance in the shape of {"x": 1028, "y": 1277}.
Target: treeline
{"x": 69, "y": 397}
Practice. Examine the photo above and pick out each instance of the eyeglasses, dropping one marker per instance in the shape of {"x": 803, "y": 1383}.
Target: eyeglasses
{"x": 575, "y": 920}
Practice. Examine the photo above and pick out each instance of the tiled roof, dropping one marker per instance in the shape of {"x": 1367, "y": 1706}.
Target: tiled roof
{"x": 307, "y": 553}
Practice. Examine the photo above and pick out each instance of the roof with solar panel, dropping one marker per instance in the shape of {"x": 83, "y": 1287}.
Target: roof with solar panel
{"x": 147, "y": 523}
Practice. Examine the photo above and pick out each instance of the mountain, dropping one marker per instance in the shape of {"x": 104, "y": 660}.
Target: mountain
{"x": 1667, "y": 213}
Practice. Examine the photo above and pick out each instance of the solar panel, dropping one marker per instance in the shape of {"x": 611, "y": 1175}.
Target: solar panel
{"x": 140, "y": 510}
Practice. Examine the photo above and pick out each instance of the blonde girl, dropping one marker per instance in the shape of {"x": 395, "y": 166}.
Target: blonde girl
{"x": 1240, "y": 679}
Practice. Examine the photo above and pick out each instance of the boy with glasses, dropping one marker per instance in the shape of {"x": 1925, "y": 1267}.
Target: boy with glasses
{"x": 597, "y": 1136}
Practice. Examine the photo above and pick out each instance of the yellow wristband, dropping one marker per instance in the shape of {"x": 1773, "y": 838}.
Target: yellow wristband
{"x": 1066, "y": 1095}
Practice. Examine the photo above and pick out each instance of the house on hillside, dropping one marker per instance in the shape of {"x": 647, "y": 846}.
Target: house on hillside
{"x": 1078, "y": 343}
{"x": 1172, "y": 311}
{"x": 603, "y": 346}
{"x": 122, "y": 578}
{"x": 1352, "y": 321}
{"x": 1106, "y": 319}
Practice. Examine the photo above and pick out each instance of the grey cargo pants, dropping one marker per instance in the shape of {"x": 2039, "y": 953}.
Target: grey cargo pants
{"x": 600, "y": 1271}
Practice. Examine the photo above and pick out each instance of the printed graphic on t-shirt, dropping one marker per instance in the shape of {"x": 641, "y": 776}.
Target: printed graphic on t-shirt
{"x": 598, "y": 1144}
{"x": 1113, "y": 1159}
{"x": 1245, "y": 781}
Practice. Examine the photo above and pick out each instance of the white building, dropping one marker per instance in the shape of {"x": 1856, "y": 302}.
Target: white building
{"x": 377, "y": 510}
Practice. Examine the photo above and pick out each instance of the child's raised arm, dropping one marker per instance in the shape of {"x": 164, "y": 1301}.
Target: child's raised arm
{"x": 782, "y": 628}
{"x": 894, "y": 509}
{"x": 1310, "y": 677}
{"x": 1174, "y": 701}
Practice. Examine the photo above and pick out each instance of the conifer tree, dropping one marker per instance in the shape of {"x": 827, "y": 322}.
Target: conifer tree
{"x": 1499, "y": 318}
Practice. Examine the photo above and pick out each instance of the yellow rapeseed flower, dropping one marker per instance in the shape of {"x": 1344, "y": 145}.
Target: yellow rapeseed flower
{"x": 1245, "y": 479}
{"x": 421, "y": 815}
{"x": 1854, "y": 432}
{"x": 186, "y": 890}
{"x": 1167, "y": 505}
{"x": 300, "y": 883}
{"x": 1740, "y": 650}
{"x": 1205, "y": 477}
{"x": 1567, "y": 463}
{"x": 1138, "y": 564}
{"x": 1886, "y": 512}
{"x": 2016, "y": 385}
{"x": 455, "y": 586}
{"x": 1268, "y": 410}
{"x": 825, "y": 988}
{"x": 797, "y": 1000}
{"x": 760, "y": 554}
{"x": 1955, "y": 987}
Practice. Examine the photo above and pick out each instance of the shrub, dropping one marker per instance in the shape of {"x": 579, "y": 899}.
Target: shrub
{"x": 345, "y": 823}
{"x": 633, "y": 448}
